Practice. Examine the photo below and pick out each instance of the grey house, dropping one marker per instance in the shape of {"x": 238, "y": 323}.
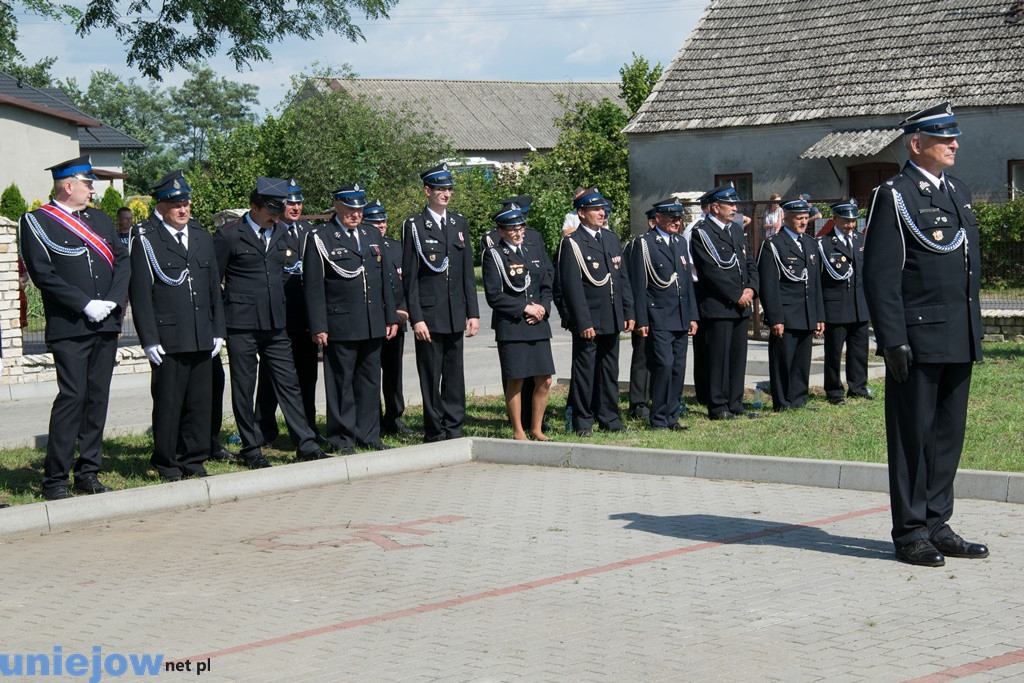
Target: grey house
{"x": 805, "y": 96}
{"x": 501, "y": 121}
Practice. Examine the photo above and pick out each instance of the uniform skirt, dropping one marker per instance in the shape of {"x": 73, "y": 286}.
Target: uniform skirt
{"x": 522, "y": 359}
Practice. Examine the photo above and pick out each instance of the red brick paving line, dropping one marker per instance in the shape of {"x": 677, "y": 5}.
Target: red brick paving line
{"x": 520, "y": 587}
{"x": 964, "y": 670}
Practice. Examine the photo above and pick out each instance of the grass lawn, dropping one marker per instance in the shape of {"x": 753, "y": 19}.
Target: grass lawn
{"x": 855, "y": 431}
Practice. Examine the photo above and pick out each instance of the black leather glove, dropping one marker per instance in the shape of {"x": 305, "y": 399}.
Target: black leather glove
{"x": 897, "y": 362}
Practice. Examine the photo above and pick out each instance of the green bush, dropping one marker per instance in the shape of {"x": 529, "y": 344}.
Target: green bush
{"x": 12, "y": 204}
{"x": 111, "y": 202}
{"x": 1002, "y": 243}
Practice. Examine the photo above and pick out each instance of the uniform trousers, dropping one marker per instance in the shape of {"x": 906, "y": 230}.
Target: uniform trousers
{"x": 391, "y": 354}
{"x": 855, "y": 337}
{"x": 182, "y": 398}
{"x": 246, "y": 349}
{"x": 84, "y": 366}
{"x": 701, "y": 375}
{"x": 352, "y": 371}
{"x": 439, "y": 364}
{"x": 725, "y": 356}
{"x": 594, "y": 385}
{"x": 639, "y": 375}
{"x": 666, "y": 358}
{"x": 217, "y": 403}
{"x": 305, "y": 358}
{"x": 925, "y": 419}
{"x": 789, "y": 368}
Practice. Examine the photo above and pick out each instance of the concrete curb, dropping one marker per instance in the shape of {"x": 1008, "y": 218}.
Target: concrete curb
{"x": 62, "y": 515}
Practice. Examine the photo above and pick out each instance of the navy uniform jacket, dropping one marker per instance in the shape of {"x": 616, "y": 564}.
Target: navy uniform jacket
{"x": 842, "y": 278}
{"x": 786, "y": 297}
{"x": 181, "y": 318}
{"x": 921, "y": 282}
{"x": 724, "y": 268}
{"x": 500, "y": 269}
{"x": 295, "y": 316}
{"x": 443, "y": 300}
{"x": 605, "y": 308}
{"x": 671, "y": 308}
{"x": 253, "y": 282}
{"x": 393, "y": 265}
{"x": 347, "y": 308}
{"x": 69, "y": 282}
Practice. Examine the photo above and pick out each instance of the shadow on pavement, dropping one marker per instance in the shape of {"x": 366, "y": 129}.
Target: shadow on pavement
{"x": 731, "y": 530}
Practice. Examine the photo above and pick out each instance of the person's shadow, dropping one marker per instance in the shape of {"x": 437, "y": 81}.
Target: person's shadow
{"x": 731, "y": 530}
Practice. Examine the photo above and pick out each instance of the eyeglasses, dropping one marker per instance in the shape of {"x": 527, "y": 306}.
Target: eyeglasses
{"x": 514, "y": 228}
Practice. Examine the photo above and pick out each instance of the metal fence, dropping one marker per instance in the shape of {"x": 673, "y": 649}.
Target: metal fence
{"x": 33, "y": 343}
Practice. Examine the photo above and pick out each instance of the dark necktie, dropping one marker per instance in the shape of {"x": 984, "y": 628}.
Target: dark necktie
{"x": 943, "y": 188}
{"x": 354, "y": 236}
{"x": 181, "y": 239}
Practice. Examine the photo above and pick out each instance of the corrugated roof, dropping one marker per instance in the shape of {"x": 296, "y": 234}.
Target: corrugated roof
{"x": 852, "y": 143}
{"x": 485, "y": 115}
{"x": 761, "y": 62}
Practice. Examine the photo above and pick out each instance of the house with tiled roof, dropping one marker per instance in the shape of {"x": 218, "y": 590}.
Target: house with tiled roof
{"x": 501, "y": 121}
{"x": 40, "y": 127}
{"x": 805, "y": 96}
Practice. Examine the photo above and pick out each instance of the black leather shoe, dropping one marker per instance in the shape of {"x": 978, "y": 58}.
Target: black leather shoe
{"x": 585, "y": 432}
{"x": 722, "y": 416}
{"x": 221, "y": 454}
{"x": 256, "y": 461}
{"x": 640, "y": 412}
{"x": 920, "y": 552}
{"x": 57, "y": 493}
{"x": 954, "y": 546}
{"x": 89, "y": 484}
{"x": 346, "y": 450}
{"x": 325, "y": 443}
{"x": 837, "y": 401}
{"x": 678, "y": 427}
{"x": 313, "y": 455}
{"x": 866, "y": 397}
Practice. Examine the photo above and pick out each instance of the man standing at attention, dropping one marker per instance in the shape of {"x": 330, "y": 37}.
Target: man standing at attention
{"x": 440, "y": 292}
{"x": 922, "y": 274}
{"x": 80, "y": 265}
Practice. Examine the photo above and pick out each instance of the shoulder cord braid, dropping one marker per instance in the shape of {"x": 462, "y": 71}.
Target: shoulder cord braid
{"x": 295, "y": 268}
{"x": 734, "y": 262}
{"x": 504, "y": 276}
{"x": 783, "y": 270}
{"x": 419, "y": 250}
{"x": 961, "y": 236}
{"x": 155, "y": 266}
{"x": 347, "y": 274}
{"x": 41, "y": 235}
{"x": 583, "y": 267}
{"x": 652, "y": 275}
{"x": 832, "y": 271}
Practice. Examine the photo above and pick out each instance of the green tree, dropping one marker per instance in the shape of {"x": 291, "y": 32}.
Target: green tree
{"x": 12, "y": 62}
{"x": 111, "y": 202}
{"x": 237, "y": 158}
{"x": 170, "y": 35}
{"x": 12, "y": 204}
{"x": 638, "y": 79}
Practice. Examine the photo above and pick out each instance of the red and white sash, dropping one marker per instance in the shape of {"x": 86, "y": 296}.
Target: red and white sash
{"x": 79, "y": 229}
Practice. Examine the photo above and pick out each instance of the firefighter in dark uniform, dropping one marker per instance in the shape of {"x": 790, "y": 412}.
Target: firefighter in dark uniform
{"x": 351, "y": 311}
{"x": 790, "y": 277}
{"x": 251, "y": 255}
{"x": 393, "y": 350}
{"x": 599, "y": 306}
{"x": 305, "y": 353}
{"x": 178, "y": 313}
{"x": 639, "y": 374}
{"x": 922, "y": 274}
{"x": 533, "y": 240}
{"x": 846, "y": 311}
{"x": 440, "y": 291}
{"x": 726, "y": 286}
{"x": 75, "y": 258}
{"x": 666, "y": 308}
{"x": 517, "y": 283}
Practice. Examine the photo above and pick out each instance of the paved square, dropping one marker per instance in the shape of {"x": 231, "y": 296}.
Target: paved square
{"x": 499, "y": 572}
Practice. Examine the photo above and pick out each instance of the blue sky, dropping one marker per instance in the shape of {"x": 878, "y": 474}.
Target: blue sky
{"x": 553, "y": 40}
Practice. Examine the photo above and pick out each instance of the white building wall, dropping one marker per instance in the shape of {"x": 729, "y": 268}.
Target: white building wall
{"x": 29, "y": 142}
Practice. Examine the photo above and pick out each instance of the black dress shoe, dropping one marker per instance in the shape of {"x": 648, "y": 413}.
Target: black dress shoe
{"x": 89, "y": 484}
{"x": 920, "y": 552}
{"x": 837, "y": 401}
{"x": 312, "y": 455}
{"x": 221, "y": 454}
{"x": 256, "y": 461}
{"x": 325, "y": 443}
{"x": 57, "y": 493}
{"x": 640, "y": 412}
{"x": 722, "y": 416}
{"x": 952, "y": 545}
{"x": 866, "y": 397}
{"x": 346, "y": 450}
{"x": 678, "y": 427}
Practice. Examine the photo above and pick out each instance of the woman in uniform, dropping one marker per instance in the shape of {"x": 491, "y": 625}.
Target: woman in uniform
{"x": 517, "y": 284}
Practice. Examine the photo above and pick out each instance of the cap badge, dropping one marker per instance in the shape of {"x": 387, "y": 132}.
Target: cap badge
{"x": 356, "y": 187}
{"x": 177, "y": 185}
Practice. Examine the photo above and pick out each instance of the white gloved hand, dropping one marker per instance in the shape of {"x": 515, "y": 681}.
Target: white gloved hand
{"x": 155, "y": 354}
{"x": 217, "y": 343}
{"x": 97, "y": 310}
{"x": 110, "y": 305}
